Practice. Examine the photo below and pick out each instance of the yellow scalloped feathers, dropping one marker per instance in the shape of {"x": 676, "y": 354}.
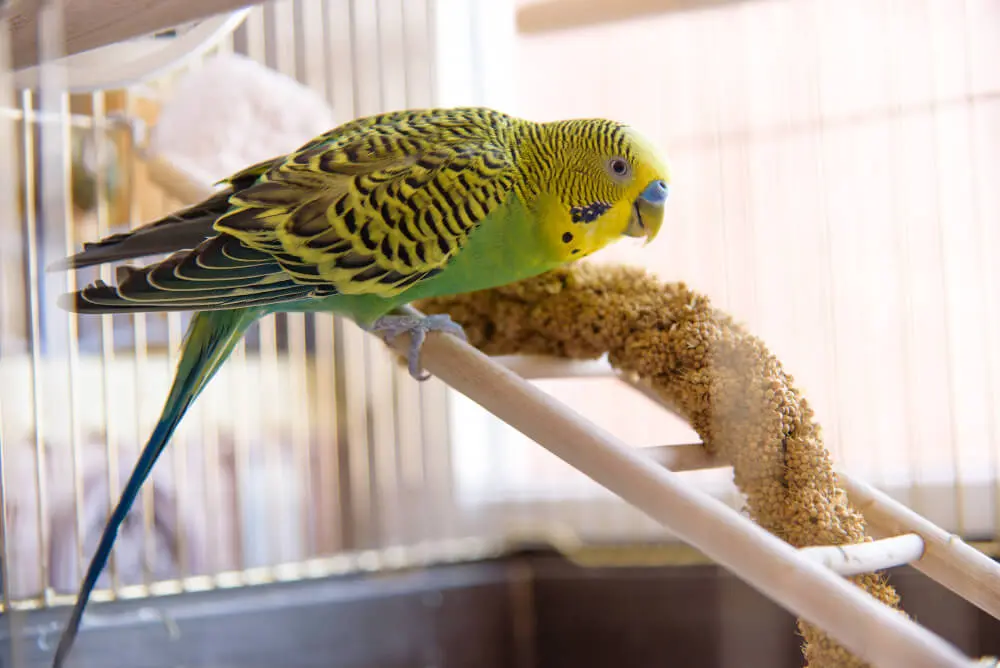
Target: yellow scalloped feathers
{"x": 716, "y": 375}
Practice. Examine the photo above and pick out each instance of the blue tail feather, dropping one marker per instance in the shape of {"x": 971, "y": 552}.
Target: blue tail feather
{"x": 210, "y": 339}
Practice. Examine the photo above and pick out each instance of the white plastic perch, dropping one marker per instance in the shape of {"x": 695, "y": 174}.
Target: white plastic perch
{"x": 867, "y": 557}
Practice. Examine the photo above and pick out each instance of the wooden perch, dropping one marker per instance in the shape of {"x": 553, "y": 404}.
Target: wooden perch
{"x": 90, "y": 24}
{"x": 868, "y": 628}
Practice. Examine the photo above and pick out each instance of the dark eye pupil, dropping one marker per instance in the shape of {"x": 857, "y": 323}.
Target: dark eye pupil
{"x": 618, "y": 166}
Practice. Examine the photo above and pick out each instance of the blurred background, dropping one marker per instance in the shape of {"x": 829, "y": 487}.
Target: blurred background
{"x": 835, "y": 169}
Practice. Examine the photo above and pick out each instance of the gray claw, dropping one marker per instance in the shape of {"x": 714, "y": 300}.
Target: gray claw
{"x": 391, "y": 326}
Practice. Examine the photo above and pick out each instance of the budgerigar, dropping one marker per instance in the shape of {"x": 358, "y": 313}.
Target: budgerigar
{"x": 368, "y": 217}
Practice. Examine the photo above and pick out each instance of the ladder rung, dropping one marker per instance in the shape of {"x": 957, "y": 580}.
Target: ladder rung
{"x": 690, "y": 457}
{"x": 546, "y": 367}
{"x": 868, "y": 557}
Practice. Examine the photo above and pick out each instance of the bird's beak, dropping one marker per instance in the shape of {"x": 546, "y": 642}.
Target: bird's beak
{"x": 647, "y": 211}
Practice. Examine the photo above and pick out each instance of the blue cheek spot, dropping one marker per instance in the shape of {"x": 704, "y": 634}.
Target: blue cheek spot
{"x": 589, "y": 212}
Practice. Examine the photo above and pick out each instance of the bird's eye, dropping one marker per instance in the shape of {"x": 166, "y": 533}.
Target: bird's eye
{"x": 619, "y": 166}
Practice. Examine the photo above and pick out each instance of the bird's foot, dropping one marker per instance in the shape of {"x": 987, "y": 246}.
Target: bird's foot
{"x": 391, "y": 326}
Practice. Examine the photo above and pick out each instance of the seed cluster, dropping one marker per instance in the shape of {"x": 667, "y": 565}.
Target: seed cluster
{"x": 710, "y": 370}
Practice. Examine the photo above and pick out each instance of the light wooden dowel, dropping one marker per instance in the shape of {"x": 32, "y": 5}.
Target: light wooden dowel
{"x": 868, "y": 628}
{"x": 93, "y": 23}
{"x": 867, "y": 557}
{"x": 947, "y": 558}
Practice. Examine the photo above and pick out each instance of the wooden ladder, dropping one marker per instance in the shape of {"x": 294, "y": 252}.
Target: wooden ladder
{"x": 808, "y": 581}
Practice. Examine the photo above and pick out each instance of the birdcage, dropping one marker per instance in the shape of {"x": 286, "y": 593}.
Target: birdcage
{"x": 316, "y": 495}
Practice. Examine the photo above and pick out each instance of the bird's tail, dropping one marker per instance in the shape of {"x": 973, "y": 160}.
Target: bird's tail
{"x": 210, "y": 339}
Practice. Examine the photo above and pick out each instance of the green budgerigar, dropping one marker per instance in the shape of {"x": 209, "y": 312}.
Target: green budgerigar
{"x": 368, "y": 217}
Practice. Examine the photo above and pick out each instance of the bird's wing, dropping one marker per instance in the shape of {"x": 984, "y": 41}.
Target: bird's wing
{"x": 372, "y": 213}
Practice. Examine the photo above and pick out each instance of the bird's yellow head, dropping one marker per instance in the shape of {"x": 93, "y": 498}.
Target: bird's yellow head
{"x": 596, "y": 181}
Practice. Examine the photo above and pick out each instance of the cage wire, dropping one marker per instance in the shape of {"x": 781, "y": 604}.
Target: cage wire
{"x": 312, "y": 452}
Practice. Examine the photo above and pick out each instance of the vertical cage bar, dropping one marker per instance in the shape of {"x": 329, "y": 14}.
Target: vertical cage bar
{"x": 37, "y": 382}
{"x": 62, "y": 183}
{"x": 8, "y": 211}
